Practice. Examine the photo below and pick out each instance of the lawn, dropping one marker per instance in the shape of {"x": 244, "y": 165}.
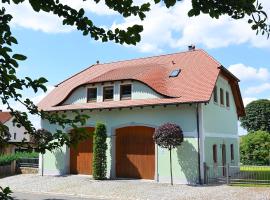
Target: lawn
{"x": 253, "y": 176}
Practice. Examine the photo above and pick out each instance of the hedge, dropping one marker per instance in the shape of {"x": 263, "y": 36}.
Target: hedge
{"x": 7, "y": 159}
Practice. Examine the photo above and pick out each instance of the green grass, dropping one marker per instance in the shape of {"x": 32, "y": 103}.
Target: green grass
{"x": 253, "y": 177}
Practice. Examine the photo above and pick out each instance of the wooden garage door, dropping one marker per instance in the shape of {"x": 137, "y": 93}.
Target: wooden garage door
{"x": 81, "y": 157}
{"x": 135, "y": 152}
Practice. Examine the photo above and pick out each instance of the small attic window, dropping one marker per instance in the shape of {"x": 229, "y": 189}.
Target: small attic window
{"x": 175, "y": 73}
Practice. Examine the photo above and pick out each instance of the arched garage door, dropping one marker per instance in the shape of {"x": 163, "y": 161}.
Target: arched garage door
{"x": 81, "y": 157}
{"x": 135, "y": 152}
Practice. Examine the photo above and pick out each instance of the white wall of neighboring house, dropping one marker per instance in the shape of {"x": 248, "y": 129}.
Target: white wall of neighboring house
{"x": 19, "y": 132}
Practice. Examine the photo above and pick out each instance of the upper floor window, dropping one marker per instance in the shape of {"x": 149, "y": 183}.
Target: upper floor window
{"x": 91, "y": 94}
{"x": 221, "y": 96}
{"x": 15, "y": 136}
{"x": 215, "y": 153}
{"x": 215, "y": 95}
{"x": 107, "y": 93}
{"x": 232, "y": 152}
{"x": 227, "y": 99}
{"x": 125, "y": 91}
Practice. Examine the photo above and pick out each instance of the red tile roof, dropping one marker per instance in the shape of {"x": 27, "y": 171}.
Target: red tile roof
{"x": 195, "y": 83}
{"x": 4, "y": 117}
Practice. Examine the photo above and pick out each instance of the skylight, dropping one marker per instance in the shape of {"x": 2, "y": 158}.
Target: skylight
{"x": 175, "y": 73}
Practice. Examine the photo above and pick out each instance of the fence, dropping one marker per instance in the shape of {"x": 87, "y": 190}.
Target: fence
{"x": 237, "y": 175}
{"x": 27, "y": 162}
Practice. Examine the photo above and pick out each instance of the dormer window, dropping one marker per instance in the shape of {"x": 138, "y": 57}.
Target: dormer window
{"x": 107, "y": 93}
{"x": 125, "y": 92}
{"x": 91, "y": 94}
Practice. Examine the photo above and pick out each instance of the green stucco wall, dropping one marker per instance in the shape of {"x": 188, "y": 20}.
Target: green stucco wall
{"x": 184, "y": 158}
{"x": 220, "y": 126}
{"x": 184, "y": 163}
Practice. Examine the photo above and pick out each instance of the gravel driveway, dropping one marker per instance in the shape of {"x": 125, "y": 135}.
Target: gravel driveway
{"x": 129, "y": 189}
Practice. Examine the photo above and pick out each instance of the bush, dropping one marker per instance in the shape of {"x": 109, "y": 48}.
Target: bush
{"x": 7, "y": 159}
{"x": 99, "y": 151}
{"x": 255, "y": 148}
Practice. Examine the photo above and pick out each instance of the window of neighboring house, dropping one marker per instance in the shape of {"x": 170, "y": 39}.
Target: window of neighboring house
{"x": 232, "y": 152}
{"x": 14, "y": 136}
{"x": 107, "y": 93}
{"x": 91, "y": 94}
{"x": 221, "y": 96}
{"x": 215, "y": 95}
{"x": 125, "y": 91}
{"x": 215, "y": 153}
{"x": 227, "y": 99}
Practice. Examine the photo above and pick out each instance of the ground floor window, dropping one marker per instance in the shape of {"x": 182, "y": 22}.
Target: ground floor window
{"x": 215, "y": 153}
{"x": 232, "y": 152}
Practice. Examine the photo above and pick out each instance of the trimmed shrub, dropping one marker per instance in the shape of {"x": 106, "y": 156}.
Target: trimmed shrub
{"x": 169, "y": 136}
{"x": 99, "y": 151}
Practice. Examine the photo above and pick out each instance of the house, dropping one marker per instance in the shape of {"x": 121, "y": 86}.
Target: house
{"x": 17, "y": 134}
{"x": 134, "y": 97}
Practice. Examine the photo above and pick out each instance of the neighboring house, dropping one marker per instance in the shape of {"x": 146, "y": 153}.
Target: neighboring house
{"x": 134, "y": 97}
{"x": 17, "y": 134}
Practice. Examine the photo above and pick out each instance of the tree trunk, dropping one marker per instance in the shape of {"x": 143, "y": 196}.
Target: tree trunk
{"x": 171, "y": 166}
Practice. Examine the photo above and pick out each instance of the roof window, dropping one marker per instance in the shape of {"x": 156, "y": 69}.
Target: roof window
{"x": 175, "y": 73}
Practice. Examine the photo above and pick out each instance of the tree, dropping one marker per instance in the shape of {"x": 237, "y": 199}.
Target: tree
{"x": 99, "y": 151}
{"x": 257, "y": 116}
{"x": 255, "y": 148}
{"x": 169, "y": 136}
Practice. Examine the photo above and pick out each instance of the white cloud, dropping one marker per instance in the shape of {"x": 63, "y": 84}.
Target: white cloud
{"x": 247, "y": 73}
{"x": 162, "y": 28}
{"x": 258, "y": 89}
{"x": 25, "y": 17}
{"x": 173, "y": 28}
{"x": 248, "y": 100}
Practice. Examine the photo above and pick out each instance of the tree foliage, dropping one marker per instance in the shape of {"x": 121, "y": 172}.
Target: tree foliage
{"x": 168, "y": 136}
{"x": 257, "y": 116}
{"x": 99, "y": 152}
{"x": 255, "y": 148}
{"x": 5, "y": 193}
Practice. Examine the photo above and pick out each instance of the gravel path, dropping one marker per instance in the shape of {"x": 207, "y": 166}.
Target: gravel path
{"x": 129, "y": 189}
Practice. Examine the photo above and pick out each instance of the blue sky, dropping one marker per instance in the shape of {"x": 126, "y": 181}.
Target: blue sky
{"x": 57, "y": 52}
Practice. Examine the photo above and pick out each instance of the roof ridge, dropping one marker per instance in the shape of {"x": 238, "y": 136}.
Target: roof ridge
{"x": 169, "y": 54}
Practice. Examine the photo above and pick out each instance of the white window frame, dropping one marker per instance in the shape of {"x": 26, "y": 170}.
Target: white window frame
{"x": 125, "y": 83}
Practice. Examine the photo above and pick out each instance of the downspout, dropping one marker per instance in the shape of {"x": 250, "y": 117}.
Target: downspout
{"x": 198, "y": 137}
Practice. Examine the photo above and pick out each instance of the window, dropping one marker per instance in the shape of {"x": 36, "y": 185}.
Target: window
{"x": 14, "y": 136}
{"x": 125, "y": 92}
{"x": 221, "y": 96}
{"x": 227, "y": 99}
{"x": 215, "y": 153}
{"x": 175, "y": 73}
{"x": 215, "y": 95}
{"x": 107, "y": 93}
{"x": 232, "y": 152}
{"x": 91, "y": 94}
